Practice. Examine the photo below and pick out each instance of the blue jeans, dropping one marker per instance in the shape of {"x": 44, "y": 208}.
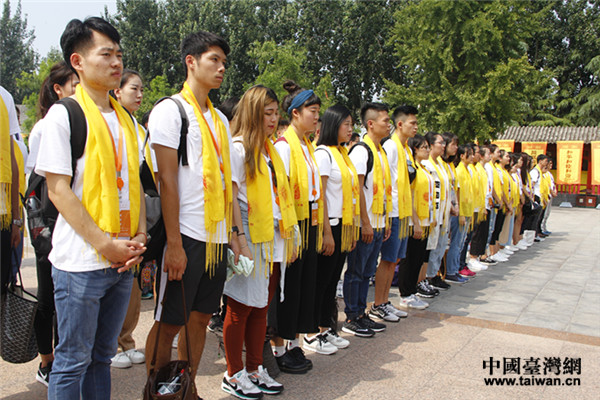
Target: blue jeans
{"x": 90, "y": 310}
{"x": 361, "y": 265}
{"x": 436, "y": 255}
{"x": 457, "y": 239}
{"x": 493, "y": 213}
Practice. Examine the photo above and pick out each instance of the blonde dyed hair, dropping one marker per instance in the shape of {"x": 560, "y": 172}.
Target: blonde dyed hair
{"x": 249, "y": 124}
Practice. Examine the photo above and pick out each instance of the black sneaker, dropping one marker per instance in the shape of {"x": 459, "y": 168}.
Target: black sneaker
{"x": 289, "y": 364}
{"x": 215, "y": 324}
{"x": 423, "y": 290}
{"x": 438, "y": 283}
{"x": 355, "y": 328}
{"x": 488, "y": 261}
{"x": 43, "y": 374}
{"x": 298, "y": 354}
{"x": 367, "y": 322}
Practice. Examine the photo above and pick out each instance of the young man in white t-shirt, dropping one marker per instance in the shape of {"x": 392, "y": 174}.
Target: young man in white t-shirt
{"x": 362, "y": 261}
{"x": 184, "y": 201}
{"x": 10, "y": 221}
{"x": 92, "y": 281}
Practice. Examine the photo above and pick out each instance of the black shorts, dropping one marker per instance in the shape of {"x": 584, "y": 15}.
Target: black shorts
{"x": 202, "y": 290}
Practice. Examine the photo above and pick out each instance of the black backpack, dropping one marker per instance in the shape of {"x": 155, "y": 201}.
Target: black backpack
{"x": 41, "y": 213}
{"x": 155, "y": 225}
{"x": 369, "y": 159}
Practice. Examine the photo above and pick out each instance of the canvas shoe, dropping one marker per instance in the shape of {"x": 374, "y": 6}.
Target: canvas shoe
{"x": 353, "y": 327}
{"x": 382, "y": 312}
{"x": 488, "y": 261}
{"x": 135, "y": 356}
{"x": 332, "y": 337}
{"x": 263, "y": 381}
{"x": 391, "y": 308}
{"x": 121, "y": 360}
{"x": 475, "y": 265}
{"x": 239, "y": 385}
{"x": 319, "y": 345}
{"x": 456, "y": 278}
{"x": 466, "y": 272}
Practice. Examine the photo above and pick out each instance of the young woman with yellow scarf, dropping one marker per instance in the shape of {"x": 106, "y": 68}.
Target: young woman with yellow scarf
{"x": 268, "y": 222}
{"x": 505, "y": 210}
{"x": 296, "y": 310}
{"x": 341, "y": 221}
{"x": 423, "y": 193}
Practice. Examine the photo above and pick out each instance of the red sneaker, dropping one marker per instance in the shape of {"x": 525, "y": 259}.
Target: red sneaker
{"x": 466, "y": 272}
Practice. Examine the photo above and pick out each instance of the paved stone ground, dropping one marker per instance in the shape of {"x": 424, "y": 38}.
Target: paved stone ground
{"x": 544, "y": 302}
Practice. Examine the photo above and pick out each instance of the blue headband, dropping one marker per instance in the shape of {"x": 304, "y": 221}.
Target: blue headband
{"x": 299, "y": 100}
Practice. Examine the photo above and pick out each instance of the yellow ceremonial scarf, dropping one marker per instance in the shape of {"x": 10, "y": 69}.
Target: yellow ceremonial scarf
{"x": 544, "y": 187}
{"x": 465, "y": 204}
{"x": 382, "y": 180}
{"x": 476, "y": 185}
{"x": 497, "y": 184}
{"x": 260, "y": 209}
{"x": 5, "y": 167}
{"x": 514, "y": 192}
{"x": 350, "y": 197}
{"x": 506, "y": 184}
{"x": 147, "y": 153}
{"x": 216, "y": 172}
{"x": 404, "y": 192}
{"x": 451, "y": 171}
{"x": 299, "y": 185}
{"x": 423, "y": 197}
{"x": 100, "y": 192}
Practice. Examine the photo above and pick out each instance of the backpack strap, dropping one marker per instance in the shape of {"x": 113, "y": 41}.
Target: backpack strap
{"x": 78, "y": 125}
{"x": 323, "y": 149}
{"x": 369, "y": 159}
{"x": 182, "y": 149}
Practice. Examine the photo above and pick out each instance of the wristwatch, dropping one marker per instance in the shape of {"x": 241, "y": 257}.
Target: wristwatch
{"x": 235, "y": 229}
{"x": 18, "y": 222}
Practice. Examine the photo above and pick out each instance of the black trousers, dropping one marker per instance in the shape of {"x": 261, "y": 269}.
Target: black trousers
{"x": 330, "y": 269}
{"x": 498, "y": 226}
{"x": 410, "y": 266}
{"x": 480, "y": 235}
{"x": 44, "y": 324}
{"x": 296, "y": 314}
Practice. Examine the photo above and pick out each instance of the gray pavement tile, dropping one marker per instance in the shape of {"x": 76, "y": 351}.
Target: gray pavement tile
{"x": 548, "y": 321}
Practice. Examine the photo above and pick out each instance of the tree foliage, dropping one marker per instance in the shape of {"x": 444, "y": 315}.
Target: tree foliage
{"x": 465, "y": 65}
{"x": 16, "y": 50}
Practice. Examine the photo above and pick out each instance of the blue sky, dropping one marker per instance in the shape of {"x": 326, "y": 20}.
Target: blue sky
{"x": 48, "y": 18}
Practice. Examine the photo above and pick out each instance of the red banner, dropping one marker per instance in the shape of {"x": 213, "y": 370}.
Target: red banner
{"x": 569, "y": 157}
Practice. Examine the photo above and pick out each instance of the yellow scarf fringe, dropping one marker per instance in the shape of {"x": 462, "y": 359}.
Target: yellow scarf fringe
{"x": 382, "y": 183}
{"x": 5, "y": 167}
{"x": 218, "y": 203}
{"x": 404, "y": 192}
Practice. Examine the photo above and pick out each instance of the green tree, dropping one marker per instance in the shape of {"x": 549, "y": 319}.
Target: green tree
{"x": 157, "y": 88}
{"x": 588, "y": 99}
{"x": 31, "y": 82}
{"x": 16, "y": 50}
{"x": 465, "y": 65}
{"x": 566, "y": 41}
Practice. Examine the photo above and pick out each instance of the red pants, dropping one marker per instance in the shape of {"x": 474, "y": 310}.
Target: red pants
{"x": 245, "y": 324}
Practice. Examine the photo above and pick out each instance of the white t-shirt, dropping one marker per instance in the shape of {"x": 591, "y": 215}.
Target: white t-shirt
{"x": 444, "y": 207}
{"x": 254, "y": 289}
{"x": 165, "y": 129}
{"x": 283, "y": 148}
{"x": 35, "y": 136}
{"x": 391, "y": 151}
{"x": 360, "y": 157}
{"x": 70, "y": 251}
{"x": 334, "y": 194}
{"x": 534, "y": 175}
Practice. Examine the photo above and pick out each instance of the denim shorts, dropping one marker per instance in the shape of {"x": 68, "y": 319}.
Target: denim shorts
{"x": 394, "y": 249}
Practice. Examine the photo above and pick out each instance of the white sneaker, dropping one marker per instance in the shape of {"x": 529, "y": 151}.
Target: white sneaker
{"x": 506, "y": 251}
{"x": 319, "y": 345}
{"x": 475, "y": 265}
{"x": 512, "y": 248}
{"x": 332, "y": 337}
{"x": 239, "y": 385}
{"x": 521, "y": 245}
{"x": 135, "y": 356}
{"x": 121, "y": 360}
{"x": 394, "y": 310}
{"x": 413, "y": 302}
{"x": 499, "y": 257}
{"x": 263, "y": 381}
